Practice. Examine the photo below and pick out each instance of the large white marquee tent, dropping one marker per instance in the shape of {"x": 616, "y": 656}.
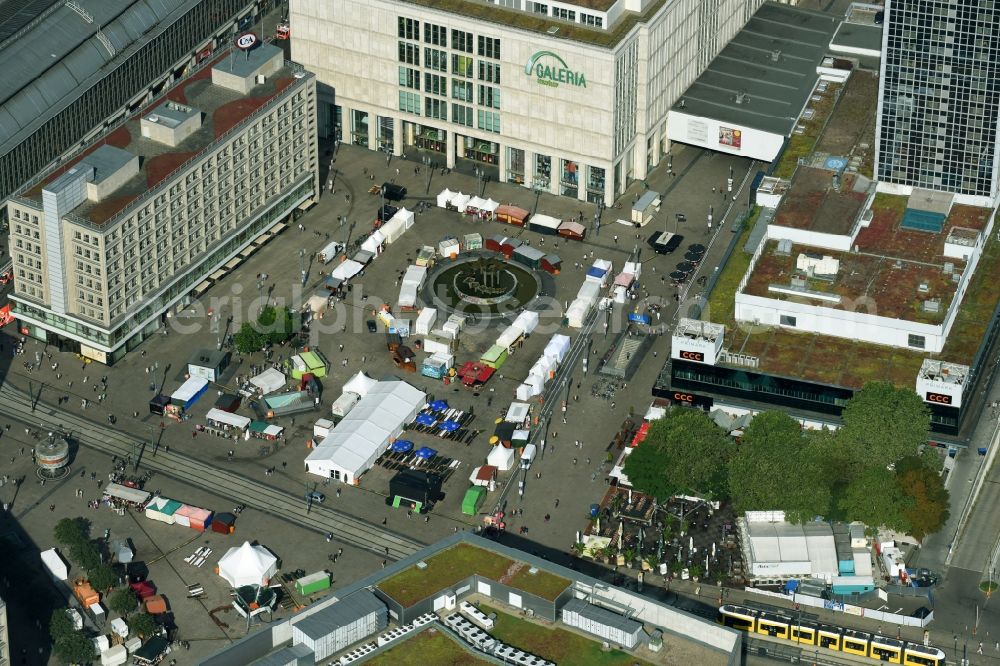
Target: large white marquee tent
{"x": 364, "y": 434}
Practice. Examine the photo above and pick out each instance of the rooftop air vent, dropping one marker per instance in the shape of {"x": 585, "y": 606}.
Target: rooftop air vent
{"x": 554, "y": 30}
{"x": 932, "y": 306}
{"x": 923, "y": 288}
{"x": 421, "y": 564}
{"x": 949, "y": 267}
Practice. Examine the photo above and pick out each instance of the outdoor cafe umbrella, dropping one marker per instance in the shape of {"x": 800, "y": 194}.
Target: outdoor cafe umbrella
{"x": 402, "y": 446}
{"x": 676, "y": 276}
{"x": 697, "y": 247}
{"x": 426, "y": 453}
{"x": 449, "y": 426}
{"x": 438, "y": 406}
{"x": 425, "y": 420}
{"x": 685, "y": 267}
{"x": 692, "y": 256}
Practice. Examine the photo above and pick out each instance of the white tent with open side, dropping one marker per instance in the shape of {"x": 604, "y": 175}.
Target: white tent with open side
{"x": 248, "y": 565}
{"x": 345, "y": 270}
{"x": 445, "y": 197}
{"x": 269, "y": 381}
{"x": 374, "y": 242}
{"x": 461, "y": 202}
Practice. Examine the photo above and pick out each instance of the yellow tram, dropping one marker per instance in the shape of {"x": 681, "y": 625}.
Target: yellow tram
{"x": 859, "y": 643}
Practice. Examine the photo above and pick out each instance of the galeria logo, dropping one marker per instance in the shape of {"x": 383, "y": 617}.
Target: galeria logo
{"x": 551, "y": 73}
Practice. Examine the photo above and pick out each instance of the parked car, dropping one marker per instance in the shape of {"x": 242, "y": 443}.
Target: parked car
{"x": 316, "y": 496}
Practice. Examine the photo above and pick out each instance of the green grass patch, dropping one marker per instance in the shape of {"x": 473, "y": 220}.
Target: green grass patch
{"x": 988, "y": 586}
{"x": 558, "y": 645}
{"x": 461, "y": 561}
{"x": 428, "y": 648}
{"x": 721, "y": 307}
{"x": 800, "y": 145}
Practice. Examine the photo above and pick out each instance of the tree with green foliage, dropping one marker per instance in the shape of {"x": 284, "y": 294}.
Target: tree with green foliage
{"x": 883, "y": 423}
{"x": 685, "y": 453}
{"x": 143, "y": 624}
{"x": 276, "y": 323}
{"x": 777, "y": 467}
{"x": 248, "y": 339}
{"x": 102, "y": 577}
{"x": 927, "y": 510}
{"x": 85, "y": 554}
{"x": 873, "y": 497}
{"x": 75, "y": 648}
{"x": 123, "y": 601}
{"x": 60, "y": 625}
{"x": 70, "y": 531}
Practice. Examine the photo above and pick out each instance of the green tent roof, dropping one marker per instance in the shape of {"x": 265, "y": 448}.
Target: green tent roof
{"x": 473, "y": 496}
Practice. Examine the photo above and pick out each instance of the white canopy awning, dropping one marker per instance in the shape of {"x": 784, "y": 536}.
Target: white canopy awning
{"x": 227, "y": 418}
{"x": 461, "y": 201}
{"x": 127, "y": 494}
{"x": 490, "y": 206}
{"x": 346, "y": 270}
{"x": 517, "y": 412}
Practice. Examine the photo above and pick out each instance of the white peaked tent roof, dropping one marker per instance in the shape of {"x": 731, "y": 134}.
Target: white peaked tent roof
{"x": 360, "y": 384}
{"x": 490, "y": 206}
{"x": 460, "y": 201}
{"x": 445, "y": 197}
{"x": 247, "y": 565}
{"x": 346, "y": 270}
{"x": 476, "y": 202}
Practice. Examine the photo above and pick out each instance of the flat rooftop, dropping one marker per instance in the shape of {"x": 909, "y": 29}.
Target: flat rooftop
{"x": 460, "y": 561}
{"x": 577, "y": 32}
{"x": 764, "y": 76}
{"x": 859, "y": 30}
{"x": 820, "y": 200}
{"x": 850, "y": 363}
{"x": 221, "y": 109}
{"x": 882, "y": 285}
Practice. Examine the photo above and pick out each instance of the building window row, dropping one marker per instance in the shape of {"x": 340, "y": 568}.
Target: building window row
{"x": 409, "y": 102}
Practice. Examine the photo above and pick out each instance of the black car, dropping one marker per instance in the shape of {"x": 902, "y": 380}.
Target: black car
{"x": 393, "y": 192}
{"x": 664, "y": 242}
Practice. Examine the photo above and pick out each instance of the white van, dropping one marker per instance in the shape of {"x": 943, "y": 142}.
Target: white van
{"x": 527, "y": 456}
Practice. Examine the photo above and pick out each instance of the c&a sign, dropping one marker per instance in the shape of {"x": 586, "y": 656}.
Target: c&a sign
{"x": 551, "y": 70}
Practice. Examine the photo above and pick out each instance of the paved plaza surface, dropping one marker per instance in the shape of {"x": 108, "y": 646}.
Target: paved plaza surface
{"x": 162, "y": 361}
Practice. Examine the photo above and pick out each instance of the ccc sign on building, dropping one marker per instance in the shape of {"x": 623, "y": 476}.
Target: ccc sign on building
{"x": 692, "y": 356}
{"x": 939, "y": 398}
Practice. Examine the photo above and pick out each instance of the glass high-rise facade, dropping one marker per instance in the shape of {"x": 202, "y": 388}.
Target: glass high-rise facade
{"x": 940, "y": 96}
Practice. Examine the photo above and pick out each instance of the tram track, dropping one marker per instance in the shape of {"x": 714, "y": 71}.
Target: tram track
{"x": 231, "y": 485}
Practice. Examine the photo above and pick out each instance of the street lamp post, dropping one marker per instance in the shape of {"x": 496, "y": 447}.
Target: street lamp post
{"x": 539, "y": 188}
{"x": 302, "y": 264}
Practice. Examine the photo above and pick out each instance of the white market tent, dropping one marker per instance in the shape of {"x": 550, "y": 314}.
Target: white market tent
{"x": 527, "y": 321}
{"x": 360, "y": 384}
{"x": 544, "y": 223}
{"x": 509, "y": 336}
{"x": 374, "y": 242}
{"x": 269, "y": 381}
{"x": 557, "y": 347}
{"x": 501, "y": 458}
{"x": 227, "y": 418}
{"x": 445, "y": 197}
{"x": 365, "y": 433}
{"x": 517, "y": 412}
{"x": 490, "y": 206}
{"x": 346, "y": 270}
{"x": 461, "y": 202}
{"x": 248, "y": 565}
{"x": 475, "y": 204}
{"x": 415, "y": 274}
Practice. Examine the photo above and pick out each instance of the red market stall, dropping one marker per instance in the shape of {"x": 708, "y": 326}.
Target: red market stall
{"x": 512, "y": 215}
{"x": 509, "y": 245}
{"x": 474, "y": 374}
{"x": 572, "y": 230}
{"x": 551, "y": 263}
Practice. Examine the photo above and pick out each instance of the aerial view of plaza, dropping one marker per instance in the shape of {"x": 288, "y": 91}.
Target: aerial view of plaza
{"x": 475, "y": 332}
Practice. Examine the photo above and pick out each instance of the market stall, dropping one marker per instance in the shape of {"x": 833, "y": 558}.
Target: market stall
{"x": 248, "y": 565}
{"x": 228, "y": 423}
{"x": 186, "y": 396}
{"x": 572, "y": 230}
{"x": 444, "y": 198}
{"x": 544, "y": 224}
{"x": 512, "y": 215}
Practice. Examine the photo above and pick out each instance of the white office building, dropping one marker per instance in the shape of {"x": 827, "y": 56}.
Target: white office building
{"x": 107, "y": 243}
{"x": 565, "y": 97}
